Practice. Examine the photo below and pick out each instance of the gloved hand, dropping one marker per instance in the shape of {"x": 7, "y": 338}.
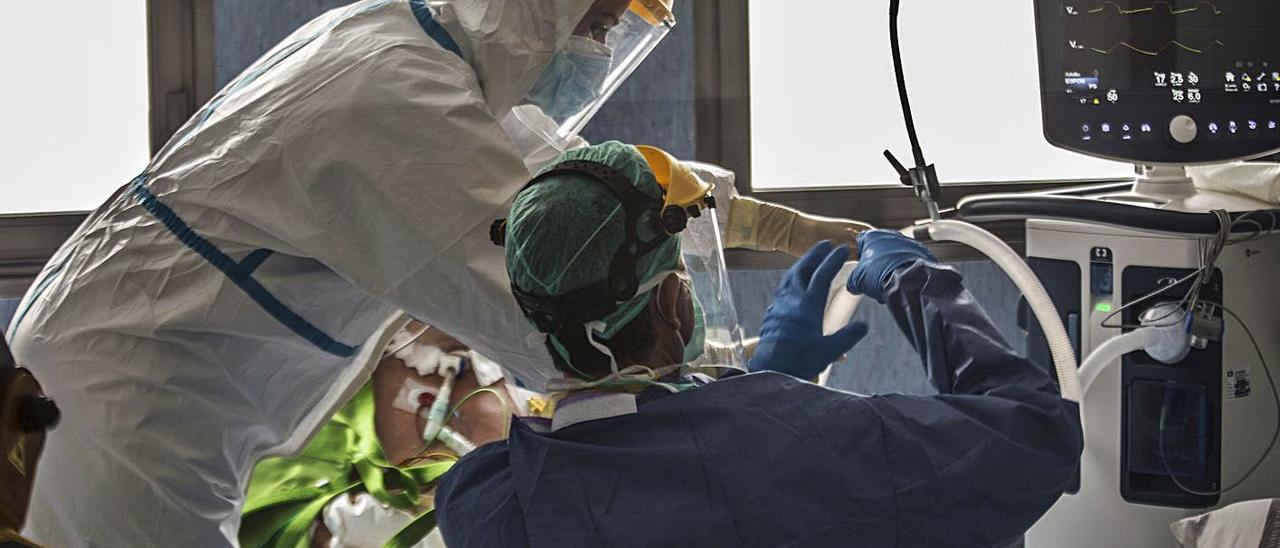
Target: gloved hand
{"x": 791, "y": 340}
{"x": 764, "y": 226}
{"x": 881, "y": 253}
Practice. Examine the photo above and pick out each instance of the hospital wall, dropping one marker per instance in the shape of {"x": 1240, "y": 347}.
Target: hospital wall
{"x": 655, "y": 106}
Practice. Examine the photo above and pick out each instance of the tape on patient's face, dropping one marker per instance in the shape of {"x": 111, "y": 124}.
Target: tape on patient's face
{"x": 409, "y": 397}
{"x": 422, "y": 358}
{"x": 486, "y": 370}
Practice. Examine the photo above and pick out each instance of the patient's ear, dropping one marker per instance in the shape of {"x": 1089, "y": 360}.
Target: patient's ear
{"x": 666, "y": 302}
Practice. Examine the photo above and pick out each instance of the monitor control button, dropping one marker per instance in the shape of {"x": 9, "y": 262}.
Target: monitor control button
{"x": 1183, "y": 129}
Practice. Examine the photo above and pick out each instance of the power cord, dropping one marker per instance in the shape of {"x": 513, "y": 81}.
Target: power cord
{"x": 1210, "y": 251}
{"x": 1275, "y": 436}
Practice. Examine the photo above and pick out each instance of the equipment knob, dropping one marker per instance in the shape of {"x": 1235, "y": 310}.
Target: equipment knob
{"x": 1183, "y": 129}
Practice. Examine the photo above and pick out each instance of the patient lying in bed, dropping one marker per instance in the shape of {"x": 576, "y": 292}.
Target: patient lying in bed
{"x": 368, "y": 473}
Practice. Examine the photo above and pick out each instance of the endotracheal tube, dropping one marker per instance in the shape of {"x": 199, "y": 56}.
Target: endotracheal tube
{"x": 436, "y": 415}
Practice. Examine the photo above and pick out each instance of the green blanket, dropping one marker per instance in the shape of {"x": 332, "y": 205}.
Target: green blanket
{"x": 287, "y": 494}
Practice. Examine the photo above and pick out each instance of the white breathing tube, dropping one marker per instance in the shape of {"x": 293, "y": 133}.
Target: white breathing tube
{"x": 1064, "y": 359}
{"x": 842, "y": 304}
{"x": 430, "y": 360}
{"x": 456, "y": 442}
{"x": 438, "y": 413}
{"x": 408, "y": 401}
{"x": 1111, "y": 351}
{"x": 1164, "y": 337}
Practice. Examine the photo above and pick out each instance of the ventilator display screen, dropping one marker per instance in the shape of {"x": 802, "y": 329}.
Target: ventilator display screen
{"x": 1161, "y": 81}
{"x": 1170, "y": 51}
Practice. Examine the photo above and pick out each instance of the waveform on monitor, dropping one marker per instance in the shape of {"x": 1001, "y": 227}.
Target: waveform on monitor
{"x": 1173, "y": 10}
{"x": 1157, "y": 52}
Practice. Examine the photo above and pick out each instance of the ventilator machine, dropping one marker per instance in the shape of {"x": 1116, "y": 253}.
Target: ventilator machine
{"x": 1163, "y": 292}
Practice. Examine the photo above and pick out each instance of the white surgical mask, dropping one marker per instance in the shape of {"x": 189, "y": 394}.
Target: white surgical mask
{"x": 574, "y": 78}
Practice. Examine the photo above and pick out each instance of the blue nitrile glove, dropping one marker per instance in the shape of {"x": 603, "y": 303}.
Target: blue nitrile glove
{"x": 791, "y": 340}
{"x": 881, "y": 253}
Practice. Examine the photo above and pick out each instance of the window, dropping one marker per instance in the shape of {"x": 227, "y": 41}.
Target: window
{"x": 654, "y": 106}
{"x": 824, "y": 104}
{"x": 74, "y": 108}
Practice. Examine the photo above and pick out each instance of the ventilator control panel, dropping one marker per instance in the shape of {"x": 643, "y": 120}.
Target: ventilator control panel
{"x": 1161, "y": 81}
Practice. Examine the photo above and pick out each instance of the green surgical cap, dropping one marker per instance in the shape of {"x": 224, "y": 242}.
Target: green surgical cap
{"x": 563, "y": 232}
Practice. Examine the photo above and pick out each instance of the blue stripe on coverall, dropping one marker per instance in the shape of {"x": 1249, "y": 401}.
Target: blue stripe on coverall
{"x": 234, "y": 272}
{"x": 241, "y": 273}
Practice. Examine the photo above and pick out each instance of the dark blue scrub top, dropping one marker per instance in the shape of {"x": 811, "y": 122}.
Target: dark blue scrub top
{"x": 768, "y": 460}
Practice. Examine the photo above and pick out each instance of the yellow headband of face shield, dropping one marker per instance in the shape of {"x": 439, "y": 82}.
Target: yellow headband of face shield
{"x": 683, "y": 189}
{"x": 686, "y": 196}
{"x": 654, "y": 12}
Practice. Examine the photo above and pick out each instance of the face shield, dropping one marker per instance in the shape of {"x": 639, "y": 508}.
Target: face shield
{"x": 717, "y": 337}
{"x": 591, "y": 68}
{"x": 584, "y": 264}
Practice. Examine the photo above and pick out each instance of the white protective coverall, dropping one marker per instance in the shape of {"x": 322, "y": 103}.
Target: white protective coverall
{"x": 207, "y": 314}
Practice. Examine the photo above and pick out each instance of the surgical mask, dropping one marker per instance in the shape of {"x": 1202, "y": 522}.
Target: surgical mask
{"x": 574, "y": 78}
{"x": 697, "y": 343}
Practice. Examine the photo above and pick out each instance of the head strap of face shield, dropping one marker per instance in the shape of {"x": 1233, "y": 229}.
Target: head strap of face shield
{"x": 553, "y": 314}
{"x": 565, "y": 315}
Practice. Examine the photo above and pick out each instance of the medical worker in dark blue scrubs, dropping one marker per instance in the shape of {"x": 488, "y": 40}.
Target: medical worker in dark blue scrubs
{"x": 758, "y": 459}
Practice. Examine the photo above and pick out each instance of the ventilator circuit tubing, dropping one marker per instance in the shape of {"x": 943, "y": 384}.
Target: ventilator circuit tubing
{"x": 1111, "y": 351}
{"x": 841, "y": 304}
{"x": 437, "y": 414}
{"x": 1167, "y": 342}
{"x": 456, "y": 442}
{"x": 1064, "y": 361}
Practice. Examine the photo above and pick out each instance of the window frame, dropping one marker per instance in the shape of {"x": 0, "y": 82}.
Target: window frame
{"x": 180, "y": 79}
{"x": 723, "y": 91}
{"x": 180, "y": 63}
{"x": 28, "y": 243}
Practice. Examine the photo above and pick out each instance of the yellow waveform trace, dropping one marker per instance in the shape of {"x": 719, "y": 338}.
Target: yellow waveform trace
{"x": 1173, "y": 10}
{"x": 1156, "y": 53}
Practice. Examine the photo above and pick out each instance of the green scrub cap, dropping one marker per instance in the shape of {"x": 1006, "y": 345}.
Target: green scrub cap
{"x": 562, "y": 233}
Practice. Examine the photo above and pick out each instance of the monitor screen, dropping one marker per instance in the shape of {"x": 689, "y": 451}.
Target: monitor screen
{"x": 1171, "y": 52}
{"x": 1117, "y": 73}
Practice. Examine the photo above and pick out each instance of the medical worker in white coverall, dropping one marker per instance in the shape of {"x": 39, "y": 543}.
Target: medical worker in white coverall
{"x": 211, "y": 311}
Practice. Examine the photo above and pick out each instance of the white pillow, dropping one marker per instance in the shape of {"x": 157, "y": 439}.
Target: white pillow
{"x": 1253, "y": 524}
{"x": 1257, "y": 180}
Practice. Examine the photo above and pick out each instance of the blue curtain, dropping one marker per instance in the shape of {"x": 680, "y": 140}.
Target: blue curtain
{"x": 7, "y": 309}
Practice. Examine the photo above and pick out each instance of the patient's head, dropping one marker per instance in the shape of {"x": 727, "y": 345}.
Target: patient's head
{"x": 481, "y": 419}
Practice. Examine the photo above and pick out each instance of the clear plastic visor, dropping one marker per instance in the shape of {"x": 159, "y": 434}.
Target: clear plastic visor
{"x": 631, "y": 41}
{"x": 703, "y": 252}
